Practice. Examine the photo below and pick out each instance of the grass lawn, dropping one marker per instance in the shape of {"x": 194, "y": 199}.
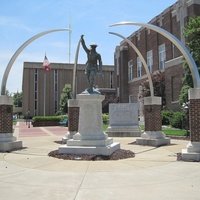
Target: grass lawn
{"x": 175, "y": 132}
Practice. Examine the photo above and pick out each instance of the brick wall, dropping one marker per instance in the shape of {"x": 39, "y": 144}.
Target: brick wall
{"x": 173, "y": 85}
{"x": 123, "y": 79}
{"x": 6, "y": 112}
{"x": 194, "y": 113}
{"x": 152, "y": 118}
{"x": 146, "y": 40}
{"x": 73, "y": 120}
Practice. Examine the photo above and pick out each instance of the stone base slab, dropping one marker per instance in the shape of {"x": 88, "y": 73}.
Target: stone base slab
{"x": 153, "y": 142}
{"x": 90, "y": 150}
{"x": 123, "y": 131}
{"x": 68, "y": 136}
{"x": 190, "y": 156}
{"x": 123, "y": 134}
{"x": 192, "y": 153}
{"x": 10, "y": 146}
{"x": 96, "y": 143}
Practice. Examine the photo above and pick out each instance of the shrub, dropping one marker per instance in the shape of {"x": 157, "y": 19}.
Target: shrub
{"x": 166, "y": 117}
{"x": 105, "y": 118}
{"x": 177, "y": 120}
{"x": 47, "y": 118}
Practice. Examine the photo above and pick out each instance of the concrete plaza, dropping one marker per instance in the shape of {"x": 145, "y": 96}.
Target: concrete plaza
{"x": 154, "y": 173}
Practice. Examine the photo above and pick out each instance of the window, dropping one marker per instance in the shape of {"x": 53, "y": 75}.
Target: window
{"x": 139, "y": 67}
{"x": 55, "y": 90}
{"x": 150, "y": 60}
{"x": 130, "y": 70}
{"x": 35, "y": 92}
{"x": 131, "y": 99}
{"x": 111, "y": 79}
{"x": 162, "y": 56}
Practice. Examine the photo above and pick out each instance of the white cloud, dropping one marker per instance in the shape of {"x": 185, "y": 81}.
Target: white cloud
{"x": 13, "y": 22}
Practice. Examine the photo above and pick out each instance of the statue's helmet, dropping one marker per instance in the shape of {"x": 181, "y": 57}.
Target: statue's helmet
{"x": 93, "y": 45}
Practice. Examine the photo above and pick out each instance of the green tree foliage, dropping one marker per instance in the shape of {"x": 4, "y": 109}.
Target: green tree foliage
{"x": 158, "y": 79}
{"x": 17, "y": 99}
{"x": 65, "y": 96}
{"x": 192, "y": 35}
{"x": 8, "y": 93}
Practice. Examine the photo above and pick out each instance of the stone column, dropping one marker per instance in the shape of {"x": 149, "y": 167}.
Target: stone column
{"x": 7, "y": 140}
{"x": 192, "y": 153}
{"x": 123, "y": 78}
{"x": 152, "y": 135}
{"x": 73, "y": 119}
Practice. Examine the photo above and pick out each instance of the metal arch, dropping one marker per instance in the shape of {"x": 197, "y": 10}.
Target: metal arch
{"x": 182, "y": 48}
{"x": 142, "y": 60}
{"x": 19, "y": 50}
{"x": 75, "y": 70}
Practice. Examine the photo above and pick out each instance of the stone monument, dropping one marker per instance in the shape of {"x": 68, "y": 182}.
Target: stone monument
{"x": 123, "y": 120}
{"x": 90, "y": 139}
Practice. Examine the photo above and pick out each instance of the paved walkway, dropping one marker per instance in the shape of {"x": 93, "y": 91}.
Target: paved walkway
{"x": 154, "y": 173}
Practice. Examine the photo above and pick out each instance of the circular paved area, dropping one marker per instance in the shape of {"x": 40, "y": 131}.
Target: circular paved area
{"x": 153, "y": 174}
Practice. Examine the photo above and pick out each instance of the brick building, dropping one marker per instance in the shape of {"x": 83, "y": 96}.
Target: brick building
{"x": 34, "y": 85}
{"x": 159, "y": 53}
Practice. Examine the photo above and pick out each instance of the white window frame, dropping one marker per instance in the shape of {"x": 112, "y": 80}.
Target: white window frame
{"x": 162, "y": 56}
{"x": 139, "y": 67}
{"x": 130, "y": 70}
{"x": 150, "y": 60}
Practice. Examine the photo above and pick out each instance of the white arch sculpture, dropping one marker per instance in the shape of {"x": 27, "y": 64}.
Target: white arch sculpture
{"x": 176, "y": 42}
{"x": 142, "y": 60}
{"x": 19, "y": 50}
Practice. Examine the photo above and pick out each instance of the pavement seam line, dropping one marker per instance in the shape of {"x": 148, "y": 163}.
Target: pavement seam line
{"x": 82, "y": 181}
{"x": 47, "y": 131}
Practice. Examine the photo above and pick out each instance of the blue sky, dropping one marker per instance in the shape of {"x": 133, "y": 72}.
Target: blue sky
{"x": 21, "y": 19}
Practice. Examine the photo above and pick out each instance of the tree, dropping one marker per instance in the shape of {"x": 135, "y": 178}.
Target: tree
{"x": 192, "y": 35}
{"x": 65, "y": 96}
{"x": 158, "y": 80}
{"x": 17, "y": 99}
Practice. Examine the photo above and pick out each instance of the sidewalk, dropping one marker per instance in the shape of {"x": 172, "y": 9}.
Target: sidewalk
{"x": 154, "y": 173}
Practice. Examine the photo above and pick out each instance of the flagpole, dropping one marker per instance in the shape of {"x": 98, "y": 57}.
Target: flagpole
{"x": 69, "y": 43}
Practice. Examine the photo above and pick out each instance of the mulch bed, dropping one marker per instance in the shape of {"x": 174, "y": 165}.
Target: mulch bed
{"x": 117, "y": 155}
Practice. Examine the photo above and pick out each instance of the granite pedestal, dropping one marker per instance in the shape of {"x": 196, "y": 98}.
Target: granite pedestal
{"x": 90, "y": 138}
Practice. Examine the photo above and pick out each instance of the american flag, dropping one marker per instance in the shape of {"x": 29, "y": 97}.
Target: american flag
{"x": 46, "y": 64}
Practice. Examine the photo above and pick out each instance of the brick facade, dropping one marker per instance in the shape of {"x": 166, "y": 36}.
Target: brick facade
{"x": 73, "y": 120}
{"x": 56, "y": 78}
{"x": 172, "y": 19}
{"x": 152, "y": 118}
{"x": 194, "y": 113}
{"x": 6, "y": 112}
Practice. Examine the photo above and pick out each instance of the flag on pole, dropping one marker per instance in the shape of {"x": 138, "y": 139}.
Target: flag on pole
{"x": 46, "y": 64}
